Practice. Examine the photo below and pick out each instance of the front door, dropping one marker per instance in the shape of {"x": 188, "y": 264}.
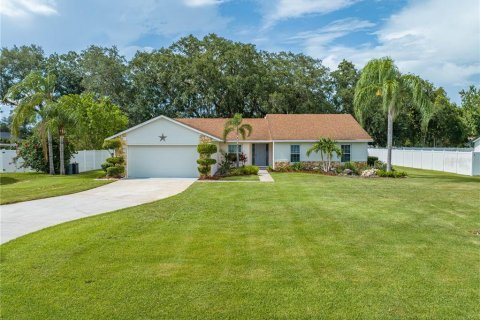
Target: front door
{"x": 260, "y": 154}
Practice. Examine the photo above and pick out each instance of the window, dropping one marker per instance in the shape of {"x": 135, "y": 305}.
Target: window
{"x": 345, "y": 152}
{"x": 294, "y": 153}
{"x": 232, "y": 148}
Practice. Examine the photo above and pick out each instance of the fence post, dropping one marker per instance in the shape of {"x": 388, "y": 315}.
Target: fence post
{"x": 456, "y": 164}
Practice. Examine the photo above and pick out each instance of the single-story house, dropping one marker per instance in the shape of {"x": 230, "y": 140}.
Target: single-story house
{"x": 165, "y": 147}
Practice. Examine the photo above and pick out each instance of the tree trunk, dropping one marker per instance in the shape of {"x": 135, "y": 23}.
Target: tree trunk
{"x": 389, "y": 139}
{"x": 62, "y": 155}
{"x": 323, "y": 162}
{"x": 50, "y": 153}
{"x": 237, "y": 164}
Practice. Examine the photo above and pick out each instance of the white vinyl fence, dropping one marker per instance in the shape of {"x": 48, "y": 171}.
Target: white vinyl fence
{"x": 461, "y": 161}
{"x": 86, "y": 159}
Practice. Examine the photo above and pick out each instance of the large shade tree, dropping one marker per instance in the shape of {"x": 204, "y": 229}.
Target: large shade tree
{"x": 380, "y": 80}
{"x": 241, "y": 129}
{"x": 30, "y": 97}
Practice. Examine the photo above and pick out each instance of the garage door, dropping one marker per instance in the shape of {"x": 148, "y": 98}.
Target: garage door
{"x": 162, "y": 161}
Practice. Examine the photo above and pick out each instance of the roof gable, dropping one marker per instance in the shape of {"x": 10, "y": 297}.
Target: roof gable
{"x": 143, "y": 124}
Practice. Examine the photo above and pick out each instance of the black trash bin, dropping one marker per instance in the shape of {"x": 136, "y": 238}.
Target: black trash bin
{"x": 75, "y": 168}
{"x": 69, "y": 169}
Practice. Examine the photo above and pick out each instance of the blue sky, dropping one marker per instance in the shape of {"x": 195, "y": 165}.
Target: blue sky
{"x": 436, "y": 39}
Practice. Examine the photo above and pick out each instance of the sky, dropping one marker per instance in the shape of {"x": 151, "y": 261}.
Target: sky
{"x": 436, "y": 39}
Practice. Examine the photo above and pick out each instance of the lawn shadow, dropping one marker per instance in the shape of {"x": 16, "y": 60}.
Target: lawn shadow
{"x": 7, "y": 180}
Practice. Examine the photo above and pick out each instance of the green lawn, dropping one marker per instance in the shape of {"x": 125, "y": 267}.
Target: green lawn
{"x": 305, "y": 247}
{"x": 241, "y": 178}
{"x": 16, "y": 187}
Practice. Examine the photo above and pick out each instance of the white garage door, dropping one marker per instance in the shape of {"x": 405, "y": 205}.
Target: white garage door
{"x": 162, "y": 161}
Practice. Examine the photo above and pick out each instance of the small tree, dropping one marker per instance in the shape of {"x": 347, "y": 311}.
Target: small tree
{"x": 205, "y": 148}
{"x": 235, "y": 125}
{"x": 327, "y": 147}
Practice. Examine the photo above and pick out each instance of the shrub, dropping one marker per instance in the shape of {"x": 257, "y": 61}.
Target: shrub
{"x": 297, "y": 166}
{"x": 371, "y": 160}
{"x": 32, "y": 153}
{"x": 391, "y": 174}
{"x": 247, "y": 170}
{"x": 380, "y": 165}
{"x": 205, "y": 148}
{"x": 224, "y": 167}
{"x": 347, "y": 165}
{"x": 115, "y": 160}
{"x": 116, "y": 171}
{"x": 206, "y": 162}
{"x": 244, "y": 171}
{"x": 112, "y": 145}
{"x": 106, "y": 165}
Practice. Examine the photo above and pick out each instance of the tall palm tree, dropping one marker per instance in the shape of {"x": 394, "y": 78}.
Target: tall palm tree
{"x": 328, "y": 147}
{"x": 241, "y": 129}
{"x": 30, "y": 96}
{"x": 380, "y": 78}
{"x": 57, "y": 118}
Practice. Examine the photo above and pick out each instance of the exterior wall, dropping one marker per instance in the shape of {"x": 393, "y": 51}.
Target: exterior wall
{"x": 176, "y": 135}
{"x": 149, "y": 134}
{"x": 454, "y": 161}
{"x": 358, "y": 151}
{"x": 246, "y": 149}
{"x": 87, "y": 160}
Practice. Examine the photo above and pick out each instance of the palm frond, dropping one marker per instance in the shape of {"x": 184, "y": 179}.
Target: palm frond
{"x": 226, "y": 131}
{"x": 245, "y": 130}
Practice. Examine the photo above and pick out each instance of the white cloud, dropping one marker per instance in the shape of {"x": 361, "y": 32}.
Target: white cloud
{"x": 332, "y": 31}
{"x": 436, "y": 39}
{"x": 201, "y": 3}
{"x": 24, "y": 8}
{"x": 284, "y": 9}
{"x": 127, "y": 24}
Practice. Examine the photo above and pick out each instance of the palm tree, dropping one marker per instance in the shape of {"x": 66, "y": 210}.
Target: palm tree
{"x": 30, "y": 96}
{"x": 380, "y": 78}
{"x": 235, "y": 125}
{"x": 328, "y": 147}
{"x": 57, "y": 118}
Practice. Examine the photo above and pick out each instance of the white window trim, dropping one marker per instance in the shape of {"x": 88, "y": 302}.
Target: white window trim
{"x": 350, "y": 153}
{"x": 292, "y": 153}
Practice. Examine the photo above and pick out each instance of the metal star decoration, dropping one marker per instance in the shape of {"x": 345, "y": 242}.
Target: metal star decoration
{"x": 162, "y": 137}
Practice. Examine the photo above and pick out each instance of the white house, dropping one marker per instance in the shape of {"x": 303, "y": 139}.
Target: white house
{"x": 165, "y": 147}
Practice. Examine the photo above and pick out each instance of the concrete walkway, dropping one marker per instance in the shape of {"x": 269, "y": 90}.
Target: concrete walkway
{"x": 265, "y": 176}
{"x": 22, "y": 218}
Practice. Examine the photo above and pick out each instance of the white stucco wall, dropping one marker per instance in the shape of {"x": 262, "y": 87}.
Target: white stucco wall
{"x": 358, "y": 151}
{"x": 149, "y": 134}
{"x": 246, "y": 149}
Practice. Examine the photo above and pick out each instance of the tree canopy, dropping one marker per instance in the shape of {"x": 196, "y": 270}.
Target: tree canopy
{"x": 216, "y": 77}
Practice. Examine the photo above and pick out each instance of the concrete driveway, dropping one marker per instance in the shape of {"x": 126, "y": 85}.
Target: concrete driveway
{"x": 22, "y": 218}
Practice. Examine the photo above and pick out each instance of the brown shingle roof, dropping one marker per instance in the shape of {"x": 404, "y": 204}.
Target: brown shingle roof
{"x": 315, "y": 126}
{"x": 288, "y": 127}
{"x": 214, "y": 127}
